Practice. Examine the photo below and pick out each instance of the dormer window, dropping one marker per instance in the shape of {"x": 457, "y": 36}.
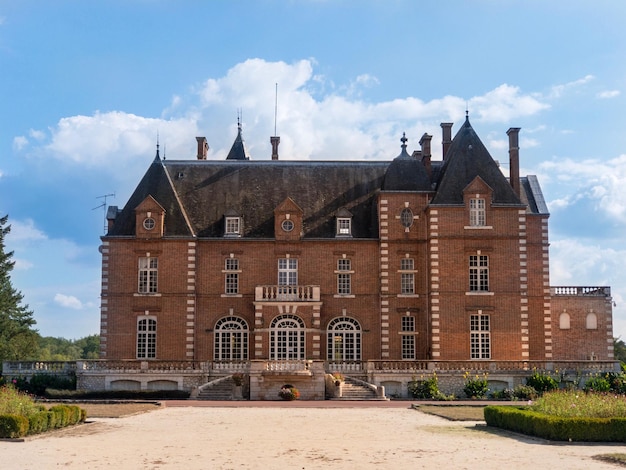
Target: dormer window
{"x": 344, "y": 223}
{"x": 477, "y": 212}
{"x": 232, "y": 225}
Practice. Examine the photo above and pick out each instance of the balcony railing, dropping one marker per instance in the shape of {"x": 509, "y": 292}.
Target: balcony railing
{"x": 587, "y": 291}
{"x": 287, "y": 293}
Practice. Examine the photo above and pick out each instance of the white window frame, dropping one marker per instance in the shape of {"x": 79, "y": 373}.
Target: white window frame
{"x": 146, "y": 338}
{"x": 477, "y": 212}
{"x": 231, "y": 339}
{"x": 407, "y": 276}
{"x": 232, "y": 226}
{"x": 407, "y": 325}
{"x": 148, "y": 275}
{"x": 480, "y": 336}
{"x": 344, "y": 226}
{"x": 479, "y": 273}
{"x": 287, "y": 338}
{"x": 344, "y": 276}
{"x": 343, "y": 340}
{"x": 287, "y": 272}
{"x": 231, "y": 276}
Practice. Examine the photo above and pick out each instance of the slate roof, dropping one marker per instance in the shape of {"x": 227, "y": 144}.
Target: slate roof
{"x": 406, "y": 173}
{"x": 466, "y": 159}
{"x": 209, "y": 189}
{"x": 197, "y": 194}
{"x": 238, "y": 150}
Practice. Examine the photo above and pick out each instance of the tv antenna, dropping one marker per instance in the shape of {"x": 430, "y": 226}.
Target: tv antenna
{"x": 104, "y": 208}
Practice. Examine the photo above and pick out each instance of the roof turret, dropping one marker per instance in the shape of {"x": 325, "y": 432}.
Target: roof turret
{"x": 406, "y": 173}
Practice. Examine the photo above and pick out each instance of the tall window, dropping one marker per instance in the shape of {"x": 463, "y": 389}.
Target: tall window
{"x": 480, "y": 341}
{"x": 344, "y": 340}
{"x": 478, "y": 273}
{"x": 148, "y": 274}
{"x": 407, "y": 276}
{"x": 344, "y": 276}
{"x": 231, "y": 269}
{"x": 231, "y": 339}
{"x": 477, "y": 212}
{"x": 146, "y": 338}
{"x": 287, "y": 272}
{"x": 233, "y": 227}
{"x": 287, "y": 338}
{"x": 408, "y": 340}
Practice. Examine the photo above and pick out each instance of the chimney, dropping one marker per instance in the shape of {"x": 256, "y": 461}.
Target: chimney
{"x": 447, "y": 137}
{"x": 513, "y": 134}
{"x": 203, "y": 148}
{"x": 426, "y": 160}
{"x": 275, "y": 140}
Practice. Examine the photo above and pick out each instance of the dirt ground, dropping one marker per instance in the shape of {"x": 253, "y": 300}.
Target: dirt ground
{"x": 279, "y": 435}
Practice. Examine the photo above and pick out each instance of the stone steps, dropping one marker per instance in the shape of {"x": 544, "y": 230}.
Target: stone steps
{"x": 219, "y": 392}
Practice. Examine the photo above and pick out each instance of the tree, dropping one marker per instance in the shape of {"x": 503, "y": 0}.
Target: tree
{"x": 18, "y": 340}
{"x": 620, "y": 350}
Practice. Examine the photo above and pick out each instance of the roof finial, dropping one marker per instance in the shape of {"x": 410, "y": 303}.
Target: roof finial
{"x": 404, "y": 140}
{"x": 157, "y": 146}
{"x": 467, "y": 111}
{"x": 239, "y": 118}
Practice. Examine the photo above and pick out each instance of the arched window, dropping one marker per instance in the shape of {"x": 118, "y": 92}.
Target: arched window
{"x": 287, "y": 338}
{"x": 146, "y": 338}
{"x": 344, "y": 339}
{"x": 592, "y": 321}
{"x": 231, "y": 339}
{"x": 564, "y": 321}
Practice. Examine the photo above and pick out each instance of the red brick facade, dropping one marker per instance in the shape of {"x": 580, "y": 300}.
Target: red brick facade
{"x": 426, "y": 283}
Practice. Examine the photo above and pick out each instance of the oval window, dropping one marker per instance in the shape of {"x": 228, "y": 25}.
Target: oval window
{"x": 406, "y": 217}
{"x": 287, "y": 225}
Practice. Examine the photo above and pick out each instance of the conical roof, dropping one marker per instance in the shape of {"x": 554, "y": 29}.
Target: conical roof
{"x": 238, "y": 150}
{"x": 155, "y": 183}
{"x": 406, "y": 173}
{"x": 466, "y": 159}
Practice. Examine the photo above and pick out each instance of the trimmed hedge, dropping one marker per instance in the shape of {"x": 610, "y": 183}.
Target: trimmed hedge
{"x": 58, "y": 416}
{"x": 555, "y": 428}
{"x": 79, "y": 395}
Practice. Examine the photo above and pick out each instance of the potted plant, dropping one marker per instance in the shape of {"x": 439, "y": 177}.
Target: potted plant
{"x": 288, "y": 392}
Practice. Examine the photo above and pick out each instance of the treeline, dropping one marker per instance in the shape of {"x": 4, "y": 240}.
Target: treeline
{"x": 61, "y": 349}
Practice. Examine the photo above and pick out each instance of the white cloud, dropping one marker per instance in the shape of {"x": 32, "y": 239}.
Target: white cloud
{"x": 575, "y": 262}
{"x": 608, "y": 94}
{"x": 559, "y": 90}
{"x": 23, "y": 232}
{"x": 19, "y": 142}
{"x": 68, "y": 301}
{"x": 38, "y": 135}
{"x": 505, "y": 103}
{"x": 599, "y": 181}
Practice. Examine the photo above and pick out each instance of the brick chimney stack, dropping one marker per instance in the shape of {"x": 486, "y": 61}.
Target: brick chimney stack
{"x": 203, "y": 148}
{"x": 275, "y": 140}
{"x": 513, "y": 134}
{"x": 447, "y": 137}
{"x": 426, "y": 156}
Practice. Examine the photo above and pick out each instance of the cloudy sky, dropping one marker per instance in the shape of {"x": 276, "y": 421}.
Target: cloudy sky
{"x": 86, "y": 88}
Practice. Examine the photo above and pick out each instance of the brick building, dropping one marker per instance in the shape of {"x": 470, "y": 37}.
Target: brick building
{"x": 363, "y": 266}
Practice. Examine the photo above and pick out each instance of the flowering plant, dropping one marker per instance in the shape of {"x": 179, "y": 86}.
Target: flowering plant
{"x": 289, "y": 392}
{"x": 477, "y": 386}
{"x": 338, "y": 378}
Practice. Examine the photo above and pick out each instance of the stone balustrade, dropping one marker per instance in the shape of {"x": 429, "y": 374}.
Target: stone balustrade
{"x": 287, "y": 293}
{"x": 581, "y": 291}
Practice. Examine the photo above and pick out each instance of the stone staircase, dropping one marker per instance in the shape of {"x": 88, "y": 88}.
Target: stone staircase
{"x": 353, "y": 389}
{"x": 221, "y": 390}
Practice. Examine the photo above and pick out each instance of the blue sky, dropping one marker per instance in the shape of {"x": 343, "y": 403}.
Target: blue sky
{"x": 85, "y": 87}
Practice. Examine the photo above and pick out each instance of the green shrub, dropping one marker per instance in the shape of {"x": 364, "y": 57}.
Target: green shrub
{"x": 527, "y": 421}
{"x": 424, "y": 389}
{"x": 62, "y": 413}
{"x": 476, "y": 386}
{"x": 542, "y": 382}
{"x": 117, "y": 394}
{"x": 12, "y": 426}
{"x": 597, "y": 384}
{"x": 38, "y": 422}
{"x": 525, "y": 392}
